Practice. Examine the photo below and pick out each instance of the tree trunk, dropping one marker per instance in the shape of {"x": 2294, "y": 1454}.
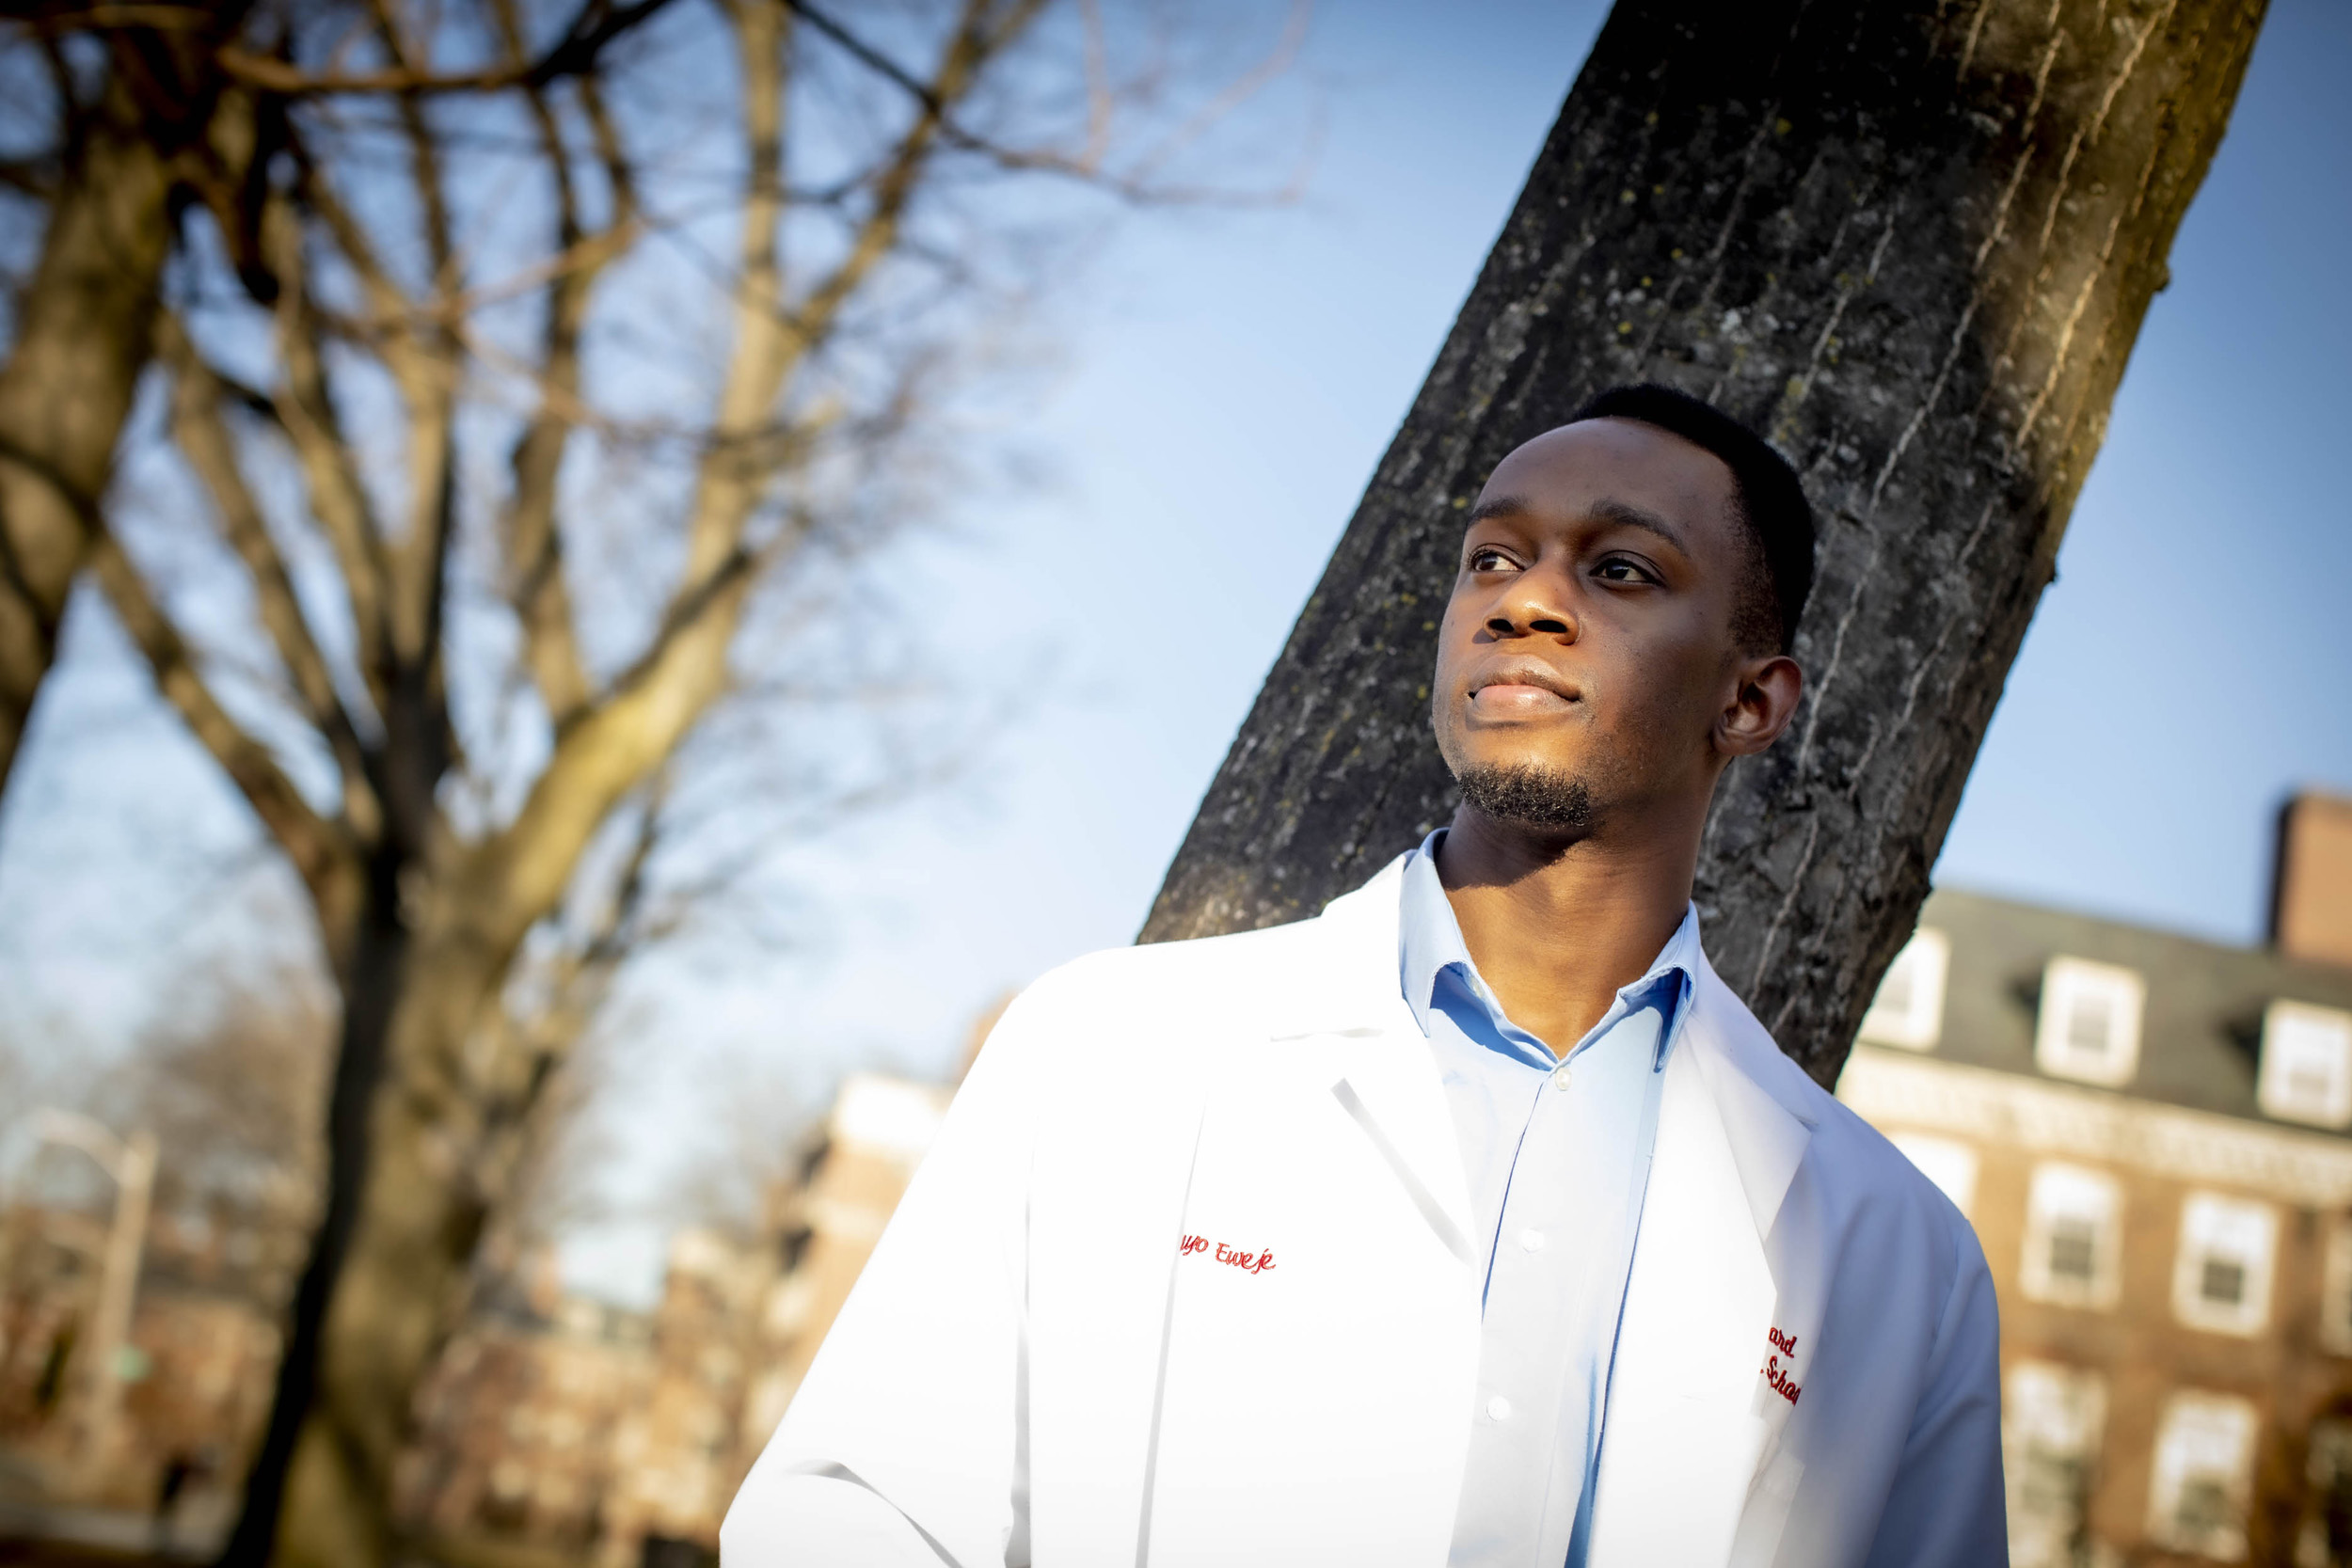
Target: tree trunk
{"x": 370, "y": 976}
{"x": 410, "y": 1116}
{"x": 84, "y": 326}
{"x": 1910, "y": 241}
{"x": 402, "y": 1215}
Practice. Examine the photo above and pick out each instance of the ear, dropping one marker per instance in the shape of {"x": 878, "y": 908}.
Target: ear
{"x": 1764, "y": 699}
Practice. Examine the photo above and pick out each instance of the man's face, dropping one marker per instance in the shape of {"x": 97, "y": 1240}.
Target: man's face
{"x": 1587, "y": 650}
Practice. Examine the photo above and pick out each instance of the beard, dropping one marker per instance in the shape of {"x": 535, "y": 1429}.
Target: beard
{"x": 1545, "y": 800}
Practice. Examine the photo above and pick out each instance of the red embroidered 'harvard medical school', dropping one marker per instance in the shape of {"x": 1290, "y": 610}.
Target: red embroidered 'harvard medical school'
{"x": 1248, "y": 1262}
{"x": 1782, "y": 1382}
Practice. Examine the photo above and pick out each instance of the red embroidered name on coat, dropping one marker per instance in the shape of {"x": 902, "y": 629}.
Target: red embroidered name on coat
{"x": 1780, "y": 1380}
{"x": 1248, "y": 1262}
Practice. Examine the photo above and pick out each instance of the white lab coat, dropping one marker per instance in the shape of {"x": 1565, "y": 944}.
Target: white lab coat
{"x": 1029, "y": 1373}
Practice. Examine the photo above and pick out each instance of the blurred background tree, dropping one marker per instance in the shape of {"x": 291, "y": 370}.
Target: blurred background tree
{"x": 536, "y": 395}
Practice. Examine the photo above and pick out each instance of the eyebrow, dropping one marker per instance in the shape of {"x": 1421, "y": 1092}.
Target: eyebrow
{"x": 1623, "y": 514}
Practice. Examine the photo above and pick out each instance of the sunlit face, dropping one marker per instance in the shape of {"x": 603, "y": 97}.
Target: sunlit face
{"x": 1589, "y": 635}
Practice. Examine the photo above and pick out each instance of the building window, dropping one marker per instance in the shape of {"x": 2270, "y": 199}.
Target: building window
{"x": 1950, "y": 1164}
{"x": 2306, "y": 1064}
{"x": 2221, "y": 1276}
{"x": 2089, "y": 1026}
{"x": 2051, "y": 1422}
{"x": 2327, "y": 1536}
{"x": 2073, "y": 1236}
{"x": 2204, "y": 1460}
{"x": 1908, "y": 1010}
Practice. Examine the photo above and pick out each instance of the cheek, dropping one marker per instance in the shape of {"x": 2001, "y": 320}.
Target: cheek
{"x": 1455, "y": 630}
{"x": 1661, "y": 694}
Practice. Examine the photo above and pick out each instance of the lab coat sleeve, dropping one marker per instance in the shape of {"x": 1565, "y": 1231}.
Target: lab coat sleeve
{"x": 902, "y": 1446}
{"x": 1946, "y": 1509}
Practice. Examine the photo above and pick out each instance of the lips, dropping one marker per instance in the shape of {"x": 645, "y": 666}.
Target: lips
{"x": 1511, "y": 700}
{"x": 1521, "y": 686}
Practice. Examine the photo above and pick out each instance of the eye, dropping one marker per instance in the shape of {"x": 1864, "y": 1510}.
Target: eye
{"x": 1486, "y": 558}
{"x": 1619, "y": 568}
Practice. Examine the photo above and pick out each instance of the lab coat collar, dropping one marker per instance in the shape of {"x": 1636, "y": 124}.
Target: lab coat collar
{"x": 1353, "y": 990}
{"x": 1758, "y": 1092}
{"x": 1430, "y": 941}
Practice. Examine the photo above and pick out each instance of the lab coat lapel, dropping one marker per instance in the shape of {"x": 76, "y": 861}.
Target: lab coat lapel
{"x": 1768, "y": 1129}
{"x": 1326, "y": 1227}
{"x": 1693, "y": 1465}
{"x": 1105, "y": 1209}
{"x": 1386, "y": 1081}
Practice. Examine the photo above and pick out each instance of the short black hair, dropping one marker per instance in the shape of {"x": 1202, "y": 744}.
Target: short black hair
{"x": 1772, "y": 503}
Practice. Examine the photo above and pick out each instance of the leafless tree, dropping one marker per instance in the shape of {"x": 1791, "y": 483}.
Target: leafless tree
{"x": 115, "y": 121}
{"x": 533, "y": 373}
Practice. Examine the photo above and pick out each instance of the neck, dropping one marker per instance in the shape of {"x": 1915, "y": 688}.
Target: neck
{"x": 1558, "y": 926}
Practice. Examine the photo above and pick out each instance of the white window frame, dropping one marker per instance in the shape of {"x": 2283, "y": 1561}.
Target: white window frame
{"x": 2297, "y": 1034}
{"x": 2229, "y": 1231}
{"x": 2202, "y": 1436}
{"x": 2060, "y": 1192}
{"x": 2055, "y": 1412}
{"x": 1918, "y": 1023}
{"x": 1946, "y": 1162}
{"x": 2067, "y": 983}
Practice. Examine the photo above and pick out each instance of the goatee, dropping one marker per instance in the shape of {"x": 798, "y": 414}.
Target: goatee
{"x": 1545, "y": 799}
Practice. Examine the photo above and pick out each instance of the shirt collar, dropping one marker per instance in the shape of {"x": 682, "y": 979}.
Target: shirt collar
{"x": 1429, "y": 941}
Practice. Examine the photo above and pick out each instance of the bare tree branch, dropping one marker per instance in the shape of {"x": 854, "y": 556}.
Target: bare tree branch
{"x": 427, "y": 373}
{"x": 592, "y": 29}
{"x": 534, "y": 564}
{"x": 770, "y": 341}
{"x": 321, "y": 850}
{"x": 338, "y": 499}
{"x": 1090, "y": 162}
{"x": 204, "y": 439}
{"x": 93, "y": 17}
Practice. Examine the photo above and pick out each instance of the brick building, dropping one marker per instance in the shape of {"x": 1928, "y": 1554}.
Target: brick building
{"x": 2150, "y": 1134}
{"x": 515, "y": 1429}
{"x": 618, "y": 1438}
{"x": 563, "y": 1426}
{"x": 197, "y": 1372}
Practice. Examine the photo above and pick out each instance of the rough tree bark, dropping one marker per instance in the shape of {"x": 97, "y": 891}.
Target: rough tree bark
{"x": 1913, "y": 244}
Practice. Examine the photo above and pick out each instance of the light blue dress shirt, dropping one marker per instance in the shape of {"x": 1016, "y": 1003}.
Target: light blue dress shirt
{"x": 1557, "y": 1151}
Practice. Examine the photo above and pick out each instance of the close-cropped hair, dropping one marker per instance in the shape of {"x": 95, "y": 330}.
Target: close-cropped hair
{"x": 1778, "y": 518}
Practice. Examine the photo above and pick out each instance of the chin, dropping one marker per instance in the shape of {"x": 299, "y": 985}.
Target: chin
{"x": 1533, "y": 795}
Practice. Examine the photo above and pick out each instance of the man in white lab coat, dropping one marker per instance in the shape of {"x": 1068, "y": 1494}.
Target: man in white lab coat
{"x": 1474, "y": 1221}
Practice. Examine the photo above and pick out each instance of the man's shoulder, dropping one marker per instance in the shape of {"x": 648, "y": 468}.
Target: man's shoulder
{"x": 1863, "y": 1171}
{"x": 1194, "y": 981}
{"x": 1871, "y": 1173}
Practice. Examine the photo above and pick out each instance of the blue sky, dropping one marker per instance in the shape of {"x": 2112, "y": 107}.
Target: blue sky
{"x": 1227, "y": 382}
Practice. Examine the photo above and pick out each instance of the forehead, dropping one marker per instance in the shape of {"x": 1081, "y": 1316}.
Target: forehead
{"x": 1559, "y": 476}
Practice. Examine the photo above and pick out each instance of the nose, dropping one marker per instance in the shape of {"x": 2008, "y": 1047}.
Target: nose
{"x": 1527, "y": 609}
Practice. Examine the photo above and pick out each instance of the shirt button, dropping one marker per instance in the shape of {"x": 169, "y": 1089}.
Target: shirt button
{"x": 1533, "y": 1241}
{"x": 1499, "y": 1408}
{"x": 1560, "y": 1077}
